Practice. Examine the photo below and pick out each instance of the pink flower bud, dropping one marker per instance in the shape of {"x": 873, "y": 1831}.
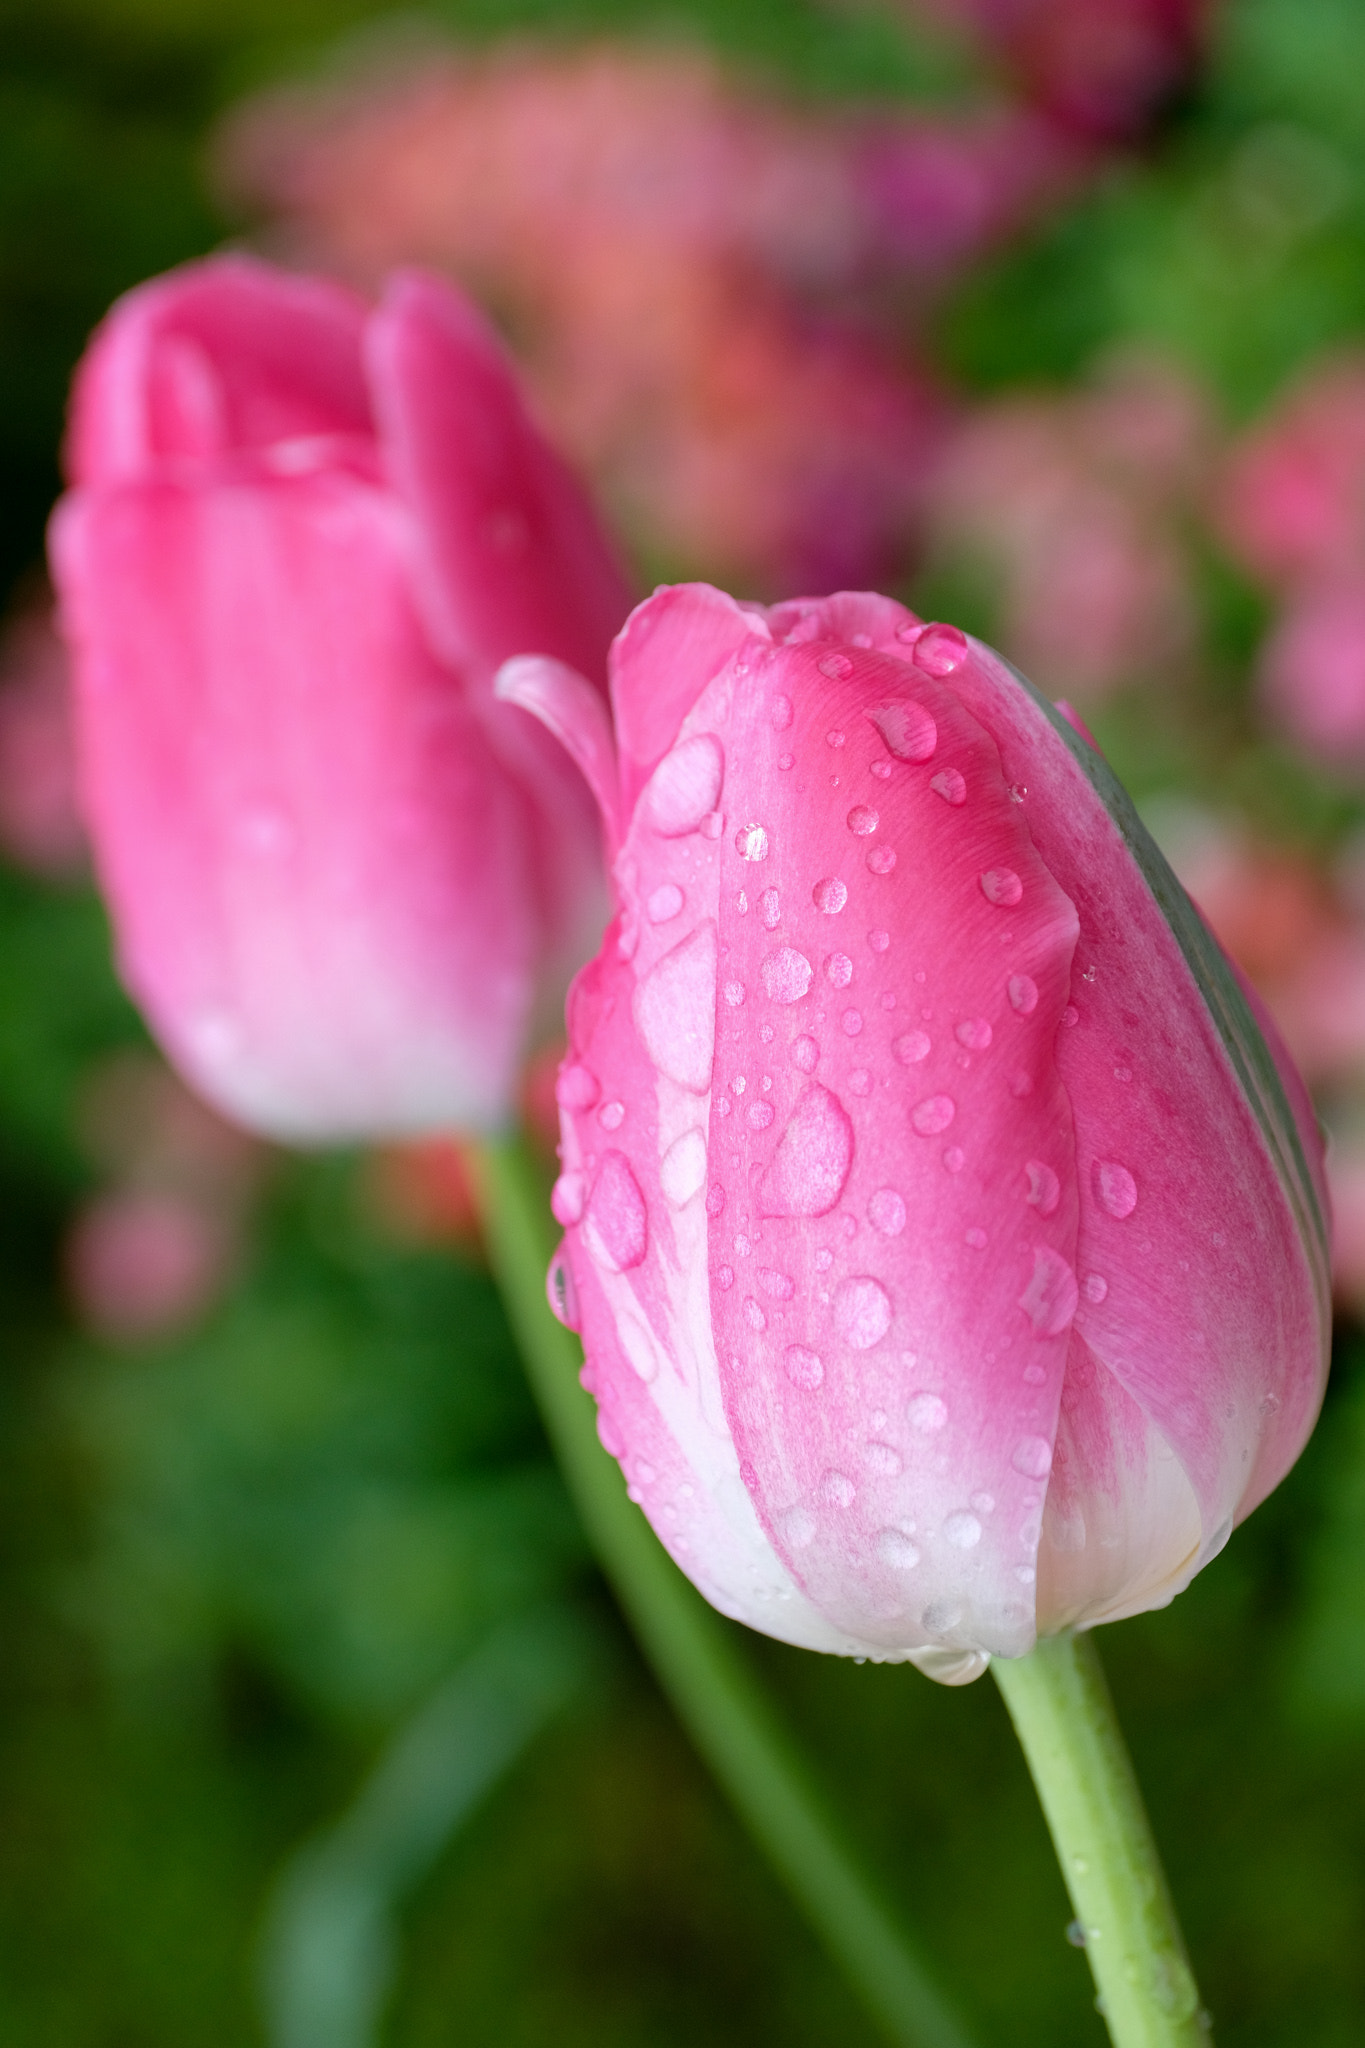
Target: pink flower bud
{"x": 301, "y": 538}
{"x": 946, "y": 1239}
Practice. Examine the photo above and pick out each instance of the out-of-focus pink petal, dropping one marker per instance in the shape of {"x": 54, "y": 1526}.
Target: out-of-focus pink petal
{"x": 1313, "y": 671}
{"x": 568, "y": 706}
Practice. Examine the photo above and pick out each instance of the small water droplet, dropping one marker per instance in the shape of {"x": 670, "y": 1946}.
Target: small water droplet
{"x": 1001, "y": 885}
{"x": 882, "y": 1459}
{"x": 852, "y": 1022}
{"x": 906, "y": 728}
{"x": 895, "y": 1548}
{"x": 933, "y": 1115}
{"x": 1023, "y": 994}
{"x": 836, "y": 666}
{"x": 1051, "y": 1297}
{"x": 950, "y": 785}
{"x": 836, "y": 740}
{"x": 734, "y": 993}
{"x": 962, "y": 1529}
{"x": 725, "y": 1278}
{"x": 862, "y": 1311}
{"x": 787, "y": 975}
{"x": 830, "y": 895}
{"x": 781, "y": 713}
{"x": 759, "y": 1115}
{"x": 882, "y": 770}
{"x": 1044, "y": 1189}
{"x": 1021, "y": 1084}
{"x": 837, "y": 1490}
{"x": 1035, "y": 1375}
{"x": 860, "y": 1082}
{"x": 976, "y": 1238}
{"x": 879, "y": 941}
{"x": 785, "y": 761}
{"x": 561, "y": 1293}
{"x": 664, "y": 903}
{"x": 804, "y": 1368}
{"x": 612, "y": 1115}
{"x": 576, "y": 1088}
{"x": 770, "y": 909}
{"x": 766, "y": 1034}
{"x": 805, "y": 1055}
{"x": 1075, "y": 1933}
{"x": 955, "y": 1159}
{"x": 940, "y": 650}
{"x": 615, "y": 1228}
{"x": 863, "y": 820}
{"x": 839, "y": 970}
{"x": 751, "y": 842}
{"x": 1071, "y": 1016}
{"x": 926, "y": 1413}
{"x": 742, "y": 904}
{"x": 912, "y": 1047}
{"x": 886, "y": 1212}
{"x": 568, "y": 1197}
{"x": 975, "y": 1033}
{"x": 1096, "y": 1287}
{"x": 881, "y": 860}
{"x": 1033, "y": 1457}
{"x": 1115, "y": 1188}
{"x": 1025, "y": 1574}
{"x": 798, "y": 1527}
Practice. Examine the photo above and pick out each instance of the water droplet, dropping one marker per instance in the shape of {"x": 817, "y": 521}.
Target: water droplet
{"x": 1022, "y": 990}
{"x": 786, "y": 761}
{"x": 860, "y": 1082}
{"x": 1044, "y": 1188}
{"x": 862, "y": 1311}
{"x": 742, "y": 904}
{"x": 883, "y": 1459}
{"x": 836, "y": 740}
{"x": 881, "y": 860}
{"x": 781, "y": 713}
{"x": 939, "y": 650}
{"x": 863, "y": 820}
{"x": 770, "y": 909}
{"x": 835, "y": 666}
{"x": 610, "y": 1437}
{"x": 715, "y": 1199}
{"x": 955, "y": 1159}
{"x": 682, "y": 1171}
{"x": 1021, "y": 1084}
{"x": 725, "y": 1278}
{"x": 912, "y": 1047}
{"x": 830, "y": 895}
{"x": 787, "y": 975}
{"x": 1050, "y": 1300}
{"x": 886, "y": 1212}
{"x": 576, "y": 1088}
{"x": 926, "y": 1413}
{"x": 950, "y": 785}
{"x": 837, "y": 1490}
{"x": 561, "y": 1293}
{"x": 881, "y": 769}
{"x": 751, "y": 842}
{"x": 1075, "y": 1933}
{"x": 798, "y": 1527}
{"x": 1035, "y": 1375}
{"x": 759, "y": 1115}
{"x": 879, "y": 941}
{"x": 675, "y": 1010}
{"x": 804, "y": 1368}
{"x": 839, "y": 970}
{"x": 984, "y": 1503}
{"x": 976, "y": 1238}
{"x": 962, "y": 1529}
{"x": 812, "y": 1160}
{"x": 664, "y": 903}
{"x": 1115, "y": 1188}
{"x": 933, "y": 1115}
{"x": 1025, "y": 1574}
{"x": 1096, "y": 1287}
{"x": 975, "y": 1033}
{"x": 805, "y": 1055}
{"x": 940, "y": 1616}
{"x": 568, "y": 1198}
{"x": 685, "y": 787}
{"x": 766, "y": 1034}
{"x": 1071, "y": 1016}
{"x": 852, "y": 1022}
{"x": 753, "y": 1314}
{"x": 895, "y": 1548}
{"x": 909, "y": 634}
{"x": 1001, "y": 885}
{"x": 738, "y": 1084}
{"x": 906, "y": 728}
{"x": 1033, "y": 1457}
{"x": 615, "y": 1229}
{"x": 612, "y": 1115}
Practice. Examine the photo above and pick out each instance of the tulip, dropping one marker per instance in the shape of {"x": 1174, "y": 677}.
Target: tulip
{"x": 944, "y": 1230}
{"x": 301, "y": 536}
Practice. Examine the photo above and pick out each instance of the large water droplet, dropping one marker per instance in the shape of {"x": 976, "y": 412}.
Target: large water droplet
{"x": 1044, "y": 1188}
{"x": 912, "y": 1047}
{"x": 685, "y": 787}
{"x": 975, "y": 1033}
{"x": 862, "y": 1311}
{"x": 950, "y": 785}
{"x": 837, "y": 1490}
{"x": 836, "y": 666}
{"x": 1051, "y": 1298}
{"x": 568, "y": 1198}
{"x": 615, "y": 1228}
{"x": 907, "y": 729}
{"x": 933, "y": 1115}
{"x": 962, "y": 1530}
{"x": 926, "y": 1413}
{"x": 812, "y": 1160}
{"x": 886, "y": 1212}
{"x": 895, "y": 1548}
{"x": 830, "y": 895}
{"x": 576, "y": 1088}
{"x": 839, "y": 970}
{"x": 682, "y": 1170}
{"x": 939, "y": 650}
{"x": 777, "y": 1286}
{"x": 1033, "y": 1457}
{"x": 1022, "y": 990}
{"x": 787, "y": 975}
{"x": 805, "y": 1369}
{"x": 1115, "y": 1188}
{"x": 664, "y": 903}
{"x": 675, "y": 1010}
{"x": 863, "y": 820}
{"x": 560, "y": 1291}
{"x": 751, "y": 842}
{"x": 1001, "y": 885}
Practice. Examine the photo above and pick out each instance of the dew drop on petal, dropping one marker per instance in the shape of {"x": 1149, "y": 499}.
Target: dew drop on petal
{"x": 1044, "y": 1188}
{"x": 950, "y": 785}
{"x": 759, "y": 1115}
{"x": 798, "y": 1527}
{"x": 926, "y": 1413}
{"x": 860, "y": 1082}
{"x": 886, "y": 1212}
{"x": 976, "y": 1238}
{"x": 715, "y": 1199}
{"x": 1115, "y": 1188}
{"x": 770, "y": 909}
{"x": 1051, "y": 1298}
{"x": 685, "y": 787}
{"x": 664, "y": 903}
{"x": 955, "y": 1159}
{"x": 1033, "y": 1457}
{"x": 1096, "y": 1287}
{"x": 675, "y": 1010}
{"x": 862, "y": 1311}
{"x": 576, "y": 1088}
{"x": 863, "y": 820}
{"x": 907, "y": 729}
{"x": 881, "y": 860}
{"x": 682, "y": 1170}
{"x": 787, "y": 975}
{"x": 837, "y": 1490}
{"x": 836, "y": 666}
{"x": 940, "y": 650}
{"x": 879, "y": 941}
{"x": 808, "y": 1170}
{"x": 751, "y": 842}
{"x": 734, "y": 993}
{"x": 1001, "y": 885}
{"x": 830, "y": 895}
{"x": 895, "y": 1548}
{"x": 725, "y": 1278}
{"x": 753, "y": 1314}
{"x": 1022, "y": 990}
{"x": 912, "y": 1047}
{"x": 777, "y": 1286}
{"x": 561, "y": 1293}
{"x": 615, "y": 1228}
{"x": 852, "y": 1022}
{"x": 612, "y": 1115}
{"x": 804, "y": 1368}
{"x": 780, "y": 713}
{"x": 933, "y": 1115}
{"x": 568, "y": 1197}
{"x": 975, "y": 1033}
{"x": 839, "y": 970}
{"x": 805, "y": 1055}
{"x": 962, "y": 1530}
{"x": 883, "y": 1459}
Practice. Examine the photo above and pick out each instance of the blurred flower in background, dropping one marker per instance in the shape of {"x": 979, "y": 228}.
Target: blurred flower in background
{"x": 40, "y": 824}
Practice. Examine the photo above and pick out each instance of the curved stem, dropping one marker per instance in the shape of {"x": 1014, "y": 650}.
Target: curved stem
{"x": 714, "y": 1696}
{"x": 1064, "y": 1717}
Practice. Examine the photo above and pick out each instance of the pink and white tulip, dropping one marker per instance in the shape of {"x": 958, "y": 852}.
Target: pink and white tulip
{"x": 302, "y": 536}
{"x": 946, "y": 1238}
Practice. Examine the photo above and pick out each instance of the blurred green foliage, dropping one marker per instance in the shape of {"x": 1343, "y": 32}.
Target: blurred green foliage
{"x": 231, "y": 1564}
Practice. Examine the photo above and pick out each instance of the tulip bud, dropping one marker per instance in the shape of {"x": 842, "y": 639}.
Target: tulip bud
{"x": 301, "y": 537}
{"x": 946, "y": 1238}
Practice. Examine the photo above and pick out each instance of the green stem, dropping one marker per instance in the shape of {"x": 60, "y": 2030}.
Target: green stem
{"x": 712, "y": 1693}
{"x": 1064, "y": 1717}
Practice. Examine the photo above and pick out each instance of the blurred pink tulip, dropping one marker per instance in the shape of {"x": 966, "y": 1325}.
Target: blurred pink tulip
{"x": 300, "y": 539}
{"x": 1312, "y": 670}
{"x": 946, "y": 1238}
{"x": 40, "y": 824}
{"x": 1292, "y": 499}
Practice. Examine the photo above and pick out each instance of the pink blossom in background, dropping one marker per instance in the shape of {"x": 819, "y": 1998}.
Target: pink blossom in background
{"x": 1291, "y": 500}
{"x": 301, "y": 537}
{"x": 141, "y": 1266}
{"x": 1069, "y": 509}
{"x": 40, "y": 823}
{"x": 940, "y": 1280}
{"x": 1312, "y": 670}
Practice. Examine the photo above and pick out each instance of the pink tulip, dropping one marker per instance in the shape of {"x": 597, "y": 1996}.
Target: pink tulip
{"x": 946, "y": 1239}
{"x": 301, "y": 538}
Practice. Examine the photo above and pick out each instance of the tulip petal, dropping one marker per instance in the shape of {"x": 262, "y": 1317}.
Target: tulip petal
{"x": 568, "y": 706}
{"x": 663, "y": 658}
